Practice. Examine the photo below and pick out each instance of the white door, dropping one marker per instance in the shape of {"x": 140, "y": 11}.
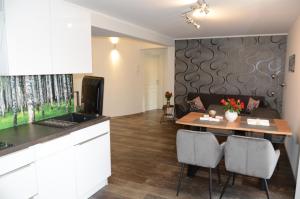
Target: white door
{"x": 151, "y": 82}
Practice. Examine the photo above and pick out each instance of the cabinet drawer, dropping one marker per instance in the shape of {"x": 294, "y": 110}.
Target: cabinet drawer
{"x": 90, "y": 132}
{"x": 19, "y": 184}
{"x": 16, "y": 160}
{"x": 53, "y": 146}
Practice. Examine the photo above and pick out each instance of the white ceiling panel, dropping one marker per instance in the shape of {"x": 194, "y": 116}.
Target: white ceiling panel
{"x": 226, "y": 17}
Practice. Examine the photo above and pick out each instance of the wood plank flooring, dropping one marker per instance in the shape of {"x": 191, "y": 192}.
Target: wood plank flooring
{"x": 144, "y": 166}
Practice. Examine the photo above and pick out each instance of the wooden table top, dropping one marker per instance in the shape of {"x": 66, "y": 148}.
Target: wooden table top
{"x": 277, "y": 126}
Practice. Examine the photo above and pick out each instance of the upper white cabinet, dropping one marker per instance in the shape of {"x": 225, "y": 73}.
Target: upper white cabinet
{"x": 71, "y": 33}
{"x": 44, "y": 37}
{"x": 27, "y": 33}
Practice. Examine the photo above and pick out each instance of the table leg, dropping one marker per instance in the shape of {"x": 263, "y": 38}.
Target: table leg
{"x": 241, "y": 133}
{"x": 192, "y": 170}
{"x": 203, "y": 129}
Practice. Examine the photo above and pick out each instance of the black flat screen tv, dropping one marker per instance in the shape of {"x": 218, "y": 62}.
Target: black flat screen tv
{"x": 92, "y": 95}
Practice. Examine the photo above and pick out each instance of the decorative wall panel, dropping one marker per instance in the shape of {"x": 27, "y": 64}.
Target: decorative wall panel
{"x": 244, "y": 66}
{"x": 25, "y": 99}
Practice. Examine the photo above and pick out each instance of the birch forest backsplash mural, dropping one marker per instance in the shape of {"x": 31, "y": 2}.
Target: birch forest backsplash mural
{"x": 26, "y": 99}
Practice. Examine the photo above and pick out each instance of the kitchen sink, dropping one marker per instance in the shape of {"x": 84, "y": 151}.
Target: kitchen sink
{"x": 67, "y": 120}
{"x": 76, "y": 117}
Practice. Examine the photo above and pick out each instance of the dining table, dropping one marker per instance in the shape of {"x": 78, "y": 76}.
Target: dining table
{"x": 276, "y": 127}
{"x": 240, "y": 126}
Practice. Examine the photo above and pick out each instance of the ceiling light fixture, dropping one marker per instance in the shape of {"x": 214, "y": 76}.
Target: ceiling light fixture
{"x": 199, "y": 9}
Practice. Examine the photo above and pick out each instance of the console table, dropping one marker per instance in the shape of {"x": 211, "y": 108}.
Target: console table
{"x": 168, "y": 113}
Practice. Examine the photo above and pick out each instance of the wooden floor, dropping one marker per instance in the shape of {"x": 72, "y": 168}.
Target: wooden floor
{"x": 144, "y": 166}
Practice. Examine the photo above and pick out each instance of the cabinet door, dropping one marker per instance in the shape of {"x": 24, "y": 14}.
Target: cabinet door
{"x": 3, "y": 47}
{"x": 71, "y": 38}
{"x": 56, "y": 175}
{"x": 28, "y": 36}
{"x": 19, "y": 183}
{"x": 93, "y": 164}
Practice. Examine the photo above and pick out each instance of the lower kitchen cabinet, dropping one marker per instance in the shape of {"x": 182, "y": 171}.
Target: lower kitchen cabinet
{"x": 19, "y": 184}
{"x": 56, "y": 177}
{"x": 18, "y": 175}
{"x": 74, "y": 166}
{"x": 93, "y": 165}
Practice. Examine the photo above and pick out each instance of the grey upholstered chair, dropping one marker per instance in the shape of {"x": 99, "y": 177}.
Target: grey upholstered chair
{"x": 198, "y": 149}
{"x": 250, "y": 156}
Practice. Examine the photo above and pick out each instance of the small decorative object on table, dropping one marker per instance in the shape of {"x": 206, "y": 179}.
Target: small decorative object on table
{"x": 232, "y": 107}
{"x": 168, "y": 96}
{"x": 212, "y": 113}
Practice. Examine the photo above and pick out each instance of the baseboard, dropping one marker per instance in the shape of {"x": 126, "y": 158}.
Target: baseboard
{"x": 132, "y": 115}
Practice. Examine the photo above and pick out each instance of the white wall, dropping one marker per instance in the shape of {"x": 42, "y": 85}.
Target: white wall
{"x": 291, "y": 100}
{"x": 124, "y": 83}
{"x": 169, "y": 73}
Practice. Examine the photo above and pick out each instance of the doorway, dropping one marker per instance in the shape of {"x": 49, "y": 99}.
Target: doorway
{"x": 153, "y": 63}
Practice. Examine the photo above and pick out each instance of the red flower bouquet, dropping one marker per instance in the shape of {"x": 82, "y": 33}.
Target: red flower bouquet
{"x": 168, "y": 95}
{"x": 233, "y": 105}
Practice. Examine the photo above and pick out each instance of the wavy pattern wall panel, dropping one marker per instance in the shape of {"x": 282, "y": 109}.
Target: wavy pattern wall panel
{"x": 231, "y": 66}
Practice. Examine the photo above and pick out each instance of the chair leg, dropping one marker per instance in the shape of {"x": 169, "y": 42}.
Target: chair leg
{"x": 225, "y": 186}
{"x": 219, "y": 174}
{"x": 180, "y": 178}
{"x": 267, "y": 188}
{"x": 233, "y": 179}
{"x": 210, "y": 183}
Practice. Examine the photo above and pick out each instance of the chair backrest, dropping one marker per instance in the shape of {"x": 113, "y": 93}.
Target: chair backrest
{"x": 250, "y": 156}
{"x": 198, "y": 148}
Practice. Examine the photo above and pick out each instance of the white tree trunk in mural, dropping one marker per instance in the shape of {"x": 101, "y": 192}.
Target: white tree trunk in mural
{"x": 50, "y": 90}
{"x": 20, "y": 95}
{"x": 34, "y": 91}
{"x": 65, "y": 90}
{"x": 41, "y": 95}
{"x": 8, "y": 101}
{"x": 14, "y": 100}
{"x": 29, "y": 98}
{"x": 2, "y": 102}
{"x": 56, "y": 89}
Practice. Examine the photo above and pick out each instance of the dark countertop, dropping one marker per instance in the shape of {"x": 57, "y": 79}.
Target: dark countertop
{"x": 30, "y": 134}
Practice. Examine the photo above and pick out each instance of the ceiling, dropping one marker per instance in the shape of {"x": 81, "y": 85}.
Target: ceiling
{"x": 226, "y": 17}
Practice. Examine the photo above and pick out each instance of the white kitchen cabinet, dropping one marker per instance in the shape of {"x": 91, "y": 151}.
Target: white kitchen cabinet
{"x": 26, "y": 37}
{"x": 55, "y": 169}
{"x": 71, "y": 33}
{"x": 93, "y": 165}
{"x": 18, "y": 176}
{"x": 44, "y": 37}
{"x": 73, "y": 166}
{"x": 19, "y": 184}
